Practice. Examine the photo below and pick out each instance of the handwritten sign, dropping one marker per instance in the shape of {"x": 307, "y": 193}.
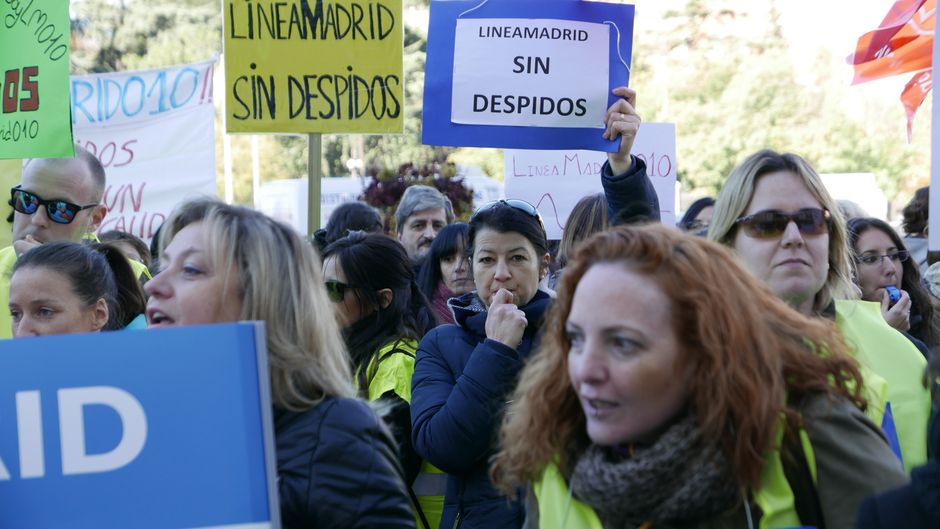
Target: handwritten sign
{"x": 556, "y": 180}
{"x": 144, "y": 429}
{"x": 154, "y": 133}
{"x": 313, "y": 67}
{"x": 496, "y": 77}
{"x": 538, "y": 73}
{"x": 34, "y": 72}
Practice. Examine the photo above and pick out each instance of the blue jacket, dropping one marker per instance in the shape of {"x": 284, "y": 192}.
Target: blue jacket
{"x": 337, "y": 468}
{"x": 914, "y": 506}
{"x": 631, "y": 197}
{"x": 458, "y": 392}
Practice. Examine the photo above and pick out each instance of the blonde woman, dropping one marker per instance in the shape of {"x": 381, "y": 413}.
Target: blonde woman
{"x": 337, "y": 464}
{"x": 777, "y": 215}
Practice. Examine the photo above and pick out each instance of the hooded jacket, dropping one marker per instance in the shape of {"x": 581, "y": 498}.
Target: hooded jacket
{"x": 459, "y": 390}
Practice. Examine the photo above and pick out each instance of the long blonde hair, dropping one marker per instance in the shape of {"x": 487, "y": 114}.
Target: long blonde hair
{"x": 745, "y": 349}
{"x": 281, "y": 284}
{"x": 736, "y": 195}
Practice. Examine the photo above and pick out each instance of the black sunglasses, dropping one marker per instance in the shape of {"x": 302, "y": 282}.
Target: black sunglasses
{"x": 58, "y": 211}
{"x": 336, "y": 290}
{"x": 769, "y": 224}
{"x": 514, "y": 203}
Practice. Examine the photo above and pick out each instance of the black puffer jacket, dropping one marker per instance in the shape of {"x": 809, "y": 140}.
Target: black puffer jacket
{"x": 337, "y": 467}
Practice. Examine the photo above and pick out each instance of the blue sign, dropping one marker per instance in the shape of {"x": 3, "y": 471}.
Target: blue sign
{"x": 524, "y": 74}
{"x": 159, "y": 429}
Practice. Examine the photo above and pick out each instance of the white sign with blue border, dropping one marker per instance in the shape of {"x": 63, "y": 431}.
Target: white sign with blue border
{"x": 160, "y": 429}
{"x": 496, "y": 77}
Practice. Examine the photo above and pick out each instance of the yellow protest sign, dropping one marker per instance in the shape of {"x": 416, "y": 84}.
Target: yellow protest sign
{"x": 313, "y": 66}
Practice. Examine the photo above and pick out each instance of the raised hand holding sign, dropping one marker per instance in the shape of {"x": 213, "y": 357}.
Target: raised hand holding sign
{"x": 496, "y": 77}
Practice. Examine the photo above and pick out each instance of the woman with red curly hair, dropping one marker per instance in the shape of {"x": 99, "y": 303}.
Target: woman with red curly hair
{"x": 695, "y": 398}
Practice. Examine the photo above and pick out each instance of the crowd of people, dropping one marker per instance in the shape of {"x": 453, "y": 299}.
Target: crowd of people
{"x": 766, "y": 365}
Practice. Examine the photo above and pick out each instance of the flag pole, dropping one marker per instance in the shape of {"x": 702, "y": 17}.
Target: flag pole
{"x": 933, "y": 240}
{"x": 314, "y": 174}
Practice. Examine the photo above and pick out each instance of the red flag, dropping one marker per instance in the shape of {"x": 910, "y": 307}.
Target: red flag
{"x": 872, "y": 45}
{"x": 914, "y": 94}
{"x": 899, "y": 48}
{"x": 902, "y": 43}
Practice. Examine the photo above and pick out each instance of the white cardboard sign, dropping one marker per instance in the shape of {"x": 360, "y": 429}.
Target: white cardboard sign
{"x": 530, "y": 72}
{"x": 555, "y": 180}
{"x": 154, "y": 133}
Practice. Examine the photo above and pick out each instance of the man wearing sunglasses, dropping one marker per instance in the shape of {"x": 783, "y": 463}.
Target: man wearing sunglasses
{"x": 57, "y": 199}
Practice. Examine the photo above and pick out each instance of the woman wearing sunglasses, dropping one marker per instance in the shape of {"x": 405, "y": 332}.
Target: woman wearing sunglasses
{"x": 337, "y": 464}
{"x": 465, "y": 372}
{"x": 69, "y": 287}
{"x": 882, "y": 260}
{"x": 370, "y": 280}
{"x": 785, "y": 227}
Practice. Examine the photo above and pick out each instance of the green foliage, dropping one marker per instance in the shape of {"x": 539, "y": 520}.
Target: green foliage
{"x": 129, "y": 35}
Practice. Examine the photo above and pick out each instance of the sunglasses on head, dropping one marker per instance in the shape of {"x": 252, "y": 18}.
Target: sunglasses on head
{"x": 514, "y": 203}
{"x": 769, "y": 224}
{"x": 58, "y": 211}
{"x": 336, "y": 290}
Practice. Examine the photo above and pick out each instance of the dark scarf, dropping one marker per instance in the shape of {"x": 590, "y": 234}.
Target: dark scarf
{"x": 675, "y": 481}
{"x": 439, "y": 303}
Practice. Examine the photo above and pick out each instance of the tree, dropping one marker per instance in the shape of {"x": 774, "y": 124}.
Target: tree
{"x": 129, "y": 35}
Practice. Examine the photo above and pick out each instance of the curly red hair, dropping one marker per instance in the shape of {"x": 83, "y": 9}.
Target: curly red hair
{"x": 745, "y": 349}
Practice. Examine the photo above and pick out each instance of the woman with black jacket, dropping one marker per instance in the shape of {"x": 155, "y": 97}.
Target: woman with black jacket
{"x": 337, "y": 464}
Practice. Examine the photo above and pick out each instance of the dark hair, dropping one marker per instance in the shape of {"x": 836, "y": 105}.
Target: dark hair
{"x": 688, "y": 218}
{"x": 122, "y": 236}
{"x": 588, "y": 217}
{"x": 915, "y": 212}
{"x": 95, "y": 271}
{"x": 503, "y": 218}
{"x": 155, "y": 249}
{"x": 373, "y": 262}
{"x": 448, "y": 242}
{"x": 348, "y": 217}
{"x": 910, "y": 278}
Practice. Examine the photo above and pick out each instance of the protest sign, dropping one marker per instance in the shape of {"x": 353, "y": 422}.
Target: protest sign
{"x": 157, "y": 429}
{"x": 497, "y": 77}
{"x": 154, "y": 133}
{"x": 313, "y": 67}
{"x": 556, "y": 180}
{"x": 34, "y": 64}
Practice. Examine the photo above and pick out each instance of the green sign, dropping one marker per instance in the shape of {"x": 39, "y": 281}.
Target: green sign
{"x": 35, "y": 118}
